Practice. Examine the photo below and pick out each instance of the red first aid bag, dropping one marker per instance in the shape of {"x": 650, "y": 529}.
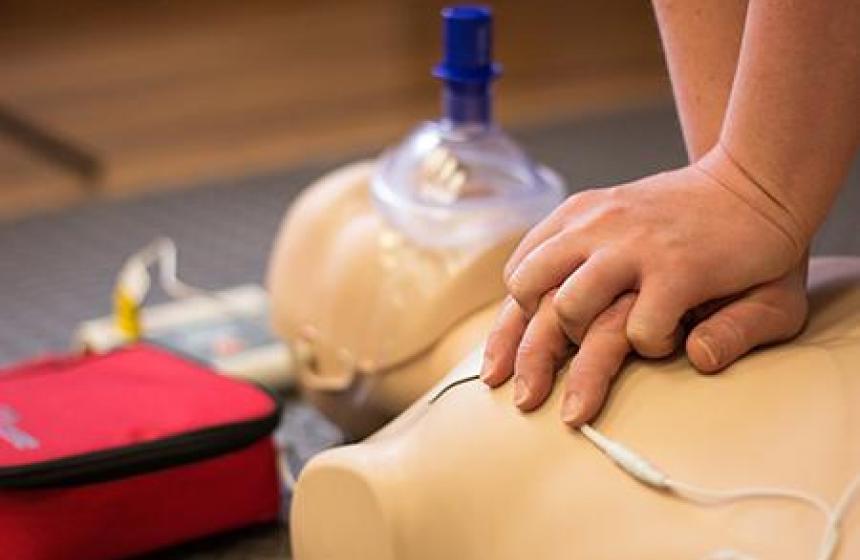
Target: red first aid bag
{"x": 118, "y": 454}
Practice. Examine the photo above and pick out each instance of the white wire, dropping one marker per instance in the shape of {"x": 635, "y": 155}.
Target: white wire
{"x": 831, "y": 537}
{"x": 163, "y": 250}
{"x": 848, "y": 496}
{"x": 708, "y": 496}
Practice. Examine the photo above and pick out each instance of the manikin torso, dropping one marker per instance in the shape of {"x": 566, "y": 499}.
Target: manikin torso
{"x": 470, "y": 477}
{"x": 381, "y": 318}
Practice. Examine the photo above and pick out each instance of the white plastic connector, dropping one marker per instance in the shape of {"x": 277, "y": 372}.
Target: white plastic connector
{"x": 631, "y": 462}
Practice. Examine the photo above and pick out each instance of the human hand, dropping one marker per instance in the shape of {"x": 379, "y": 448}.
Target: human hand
{"x": 533, "y": 350}
{"x": 679, "y": 238}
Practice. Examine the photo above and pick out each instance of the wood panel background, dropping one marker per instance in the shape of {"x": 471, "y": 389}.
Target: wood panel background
{"x": 109, "y": 98}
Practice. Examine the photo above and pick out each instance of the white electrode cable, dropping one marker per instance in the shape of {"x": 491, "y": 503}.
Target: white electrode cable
{"x": 162, "y": 251}
{"x": 168, "y": 276}
{"x": 848, "y": 496}
{"x": 641, "y": 469}
{"x": 644, "y": 471}
{"x": 133, "y": 284}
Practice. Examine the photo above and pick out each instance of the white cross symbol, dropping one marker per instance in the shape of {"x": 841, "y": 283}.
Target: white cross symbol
{"x": 11, "y": 433}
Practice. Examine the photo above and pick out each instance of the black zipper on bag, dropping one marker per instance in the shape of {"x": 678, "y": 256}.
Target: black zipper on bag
{"x": 141, "y": 458}
{"x": 112, "y": 464}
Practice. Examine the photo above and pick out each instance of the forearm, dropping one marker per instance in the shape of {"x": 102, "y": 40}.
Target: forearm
{"x": 701, "y": 41}
{"x": 793, "y": 121}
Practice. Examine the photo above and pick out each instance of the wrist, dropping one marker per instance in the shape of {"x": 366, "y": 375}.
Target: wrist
{"x": 724, "y": 169}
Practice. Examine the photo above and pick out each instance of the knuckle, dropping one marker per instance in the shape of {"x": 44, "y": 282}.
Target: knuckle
{"x": 520, "y": 291}
{"x": 564, "y": 306}
{"x": 513, "y": 283}
{"x": 574, "y": 331}
{"x": 610, "y": 319}
{"x": 614, "y": 209}
{"x": 529, "y": 350}
{"x": 570, "y": 317}
{"x": 786, "y": 319}
{"x": 649, "y": 343}
{"x": 578, "y": 199}
{"x": 637, "y": 334}
{"x": 625, "y": 302}
{"x": 792, "y": 315}
{"x": 582, "y": 200}
{"x": 603, "y": 215}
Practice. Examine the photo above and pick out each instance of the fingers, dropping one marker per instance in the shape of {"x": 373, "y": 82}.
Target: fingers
{"x": 598, "y": 360}
{"x": 543, "y": 269}
{"x": 542, "y": 350}
{"x": 653, "y": 327}
{"x": 591, "y": 289}
{"x": 502, "y": 343}
{"x": 764, "y": 316}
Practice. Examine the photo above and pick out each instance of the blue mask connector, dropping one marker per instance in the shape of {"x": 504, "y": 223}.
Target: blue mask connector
{"x": 467, "y": 68}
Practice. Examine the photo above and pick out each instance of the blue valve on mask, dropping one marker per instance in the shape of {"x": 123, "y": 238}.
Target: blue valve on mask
{"x": 461, "y": 181}
{"x": 467, "y": 68}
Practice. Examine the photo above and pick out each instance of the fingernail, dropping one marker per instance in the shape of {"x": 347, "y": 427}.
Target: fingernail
{"x": 521, "y": 391}
{"x": 572, "y": 409}
{"x": 711, "y": 349}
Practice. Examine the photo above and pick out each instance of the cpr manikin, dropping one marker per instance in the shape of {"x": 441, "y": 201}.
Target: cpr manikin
{"x": 386, "y": 273}
{"x": 468, "y": 476}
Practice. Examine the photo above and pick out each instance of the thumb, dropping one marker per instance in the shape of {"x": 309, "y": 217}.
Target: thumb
{"x": 763, "y": 316}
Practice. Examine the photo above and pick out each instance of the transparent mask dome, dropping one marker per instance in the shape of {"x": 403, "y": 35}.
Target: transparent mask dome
{"x": 457, "y": 185}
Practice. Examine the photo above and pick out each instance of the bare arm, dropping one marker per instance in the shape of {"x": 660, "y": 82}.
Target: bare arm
{"x": 793, "y": 122}
{"x": 701, "y": 41}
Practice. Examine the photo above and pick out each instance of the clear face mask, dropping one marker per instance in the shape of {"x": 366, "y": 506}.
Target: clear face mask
{"x": 461, "y": 180}
{"x": 450, "y": 185}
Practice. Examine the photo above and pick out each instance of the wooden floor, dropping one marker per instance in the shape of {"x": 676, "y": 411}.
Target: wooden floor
{"x": 111, "y": 98}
